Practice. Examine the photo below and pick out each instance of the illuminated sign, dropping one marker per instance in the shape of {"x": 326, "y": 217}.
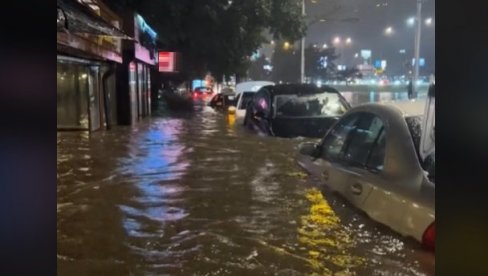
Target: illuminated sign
{"x": 166, "y": 61}
{"x": 365, "y": 54}
{"x": 141, "y": 23}
{"x": 377, "y": 63}
{"x": 421, "y": 62}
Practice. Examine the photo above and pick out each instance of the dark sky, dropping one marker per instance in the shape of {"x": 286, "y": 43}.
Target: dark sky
{"x": 368, "y": 33}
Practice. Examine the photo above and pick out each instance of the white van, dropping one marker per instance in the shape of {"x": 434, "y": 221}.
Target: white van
{"x": 244, "y": 93}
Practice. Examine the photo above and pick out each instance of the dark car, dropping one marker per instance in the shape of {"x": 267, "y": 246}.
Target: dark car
{"x": 292, "y": 110}
{"x": 222, "y": 101}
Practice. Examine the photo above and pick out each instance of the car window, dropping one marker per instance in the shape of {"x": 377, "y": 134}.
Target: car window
{"x": 362, "y": 139}
{"x": 377, "y": 156}
{"x": 322, "y": 104}
{"x": 334, "y": 141}
{"x": 414, "y": 124}
{"x": 261, "y": 102}
{"x": 246, "y": 98}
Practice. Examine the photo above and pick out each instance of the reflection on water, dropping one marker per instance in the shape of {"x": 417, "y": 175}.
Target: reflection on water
{"x": 328, "y": 242}
{"x": 199, "y": 195}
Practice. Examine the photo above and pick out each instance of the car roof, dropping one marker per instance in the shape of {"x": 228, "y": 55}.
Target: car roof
{"x": 251, "y": 86}
{"x": 408, "y": 108}
{"x": 299, "y": 88}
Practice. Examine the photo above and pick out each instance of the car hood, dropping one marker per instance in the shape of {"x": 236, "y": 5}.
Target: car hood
{"x": 311, "y": 127}
{"x": 427, "y": 140}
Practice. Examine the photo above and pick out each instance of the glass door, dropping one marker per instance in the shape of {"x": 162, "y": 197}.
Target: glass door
{"x": 133, "y": 92}
{"x": 140, "y": 90}
{"x": 72, "y": 99}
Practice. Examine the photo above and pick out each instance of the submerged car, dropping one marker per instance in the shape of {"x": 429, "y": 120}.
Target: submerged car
{"x": 292, "y": 110}
{"x": 223, "y": 100}
{"x": 381, "y": 158}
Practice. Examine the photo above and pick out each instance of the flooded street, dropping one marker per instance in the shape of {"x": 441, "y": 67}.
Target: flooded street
{"x": 196, "y": 194}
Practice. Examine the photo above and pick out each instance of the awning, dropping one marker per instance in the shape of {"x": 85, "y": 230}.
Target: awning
{"x": 77, "y": 18}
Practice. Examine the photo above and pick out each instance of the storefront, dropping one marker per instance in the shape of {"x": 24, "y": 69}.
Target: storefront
{"x": 134, "y": 75}
{"x": 87, "y": 54}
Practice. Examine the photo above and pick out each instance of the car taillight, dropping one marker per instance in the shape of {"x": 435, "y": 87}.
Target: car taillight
{"x": 428, "y": 238}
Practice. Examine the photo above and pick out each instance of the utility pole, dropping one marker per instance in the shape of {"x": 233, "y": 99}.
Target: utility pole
{"x": 302, "y": 60}
{"x": 417, "y": 49}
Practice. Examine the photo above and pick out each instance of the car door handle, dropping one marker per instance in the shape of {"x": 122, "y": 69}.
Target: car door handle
{"x": 356, "y": 188}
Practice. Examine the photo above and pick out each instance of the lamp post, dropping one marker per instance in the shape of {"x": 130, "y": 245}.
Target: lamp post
{"x": 302, "y": 42}
{"x": 302, "y": 50}
{"x": 417, "y": 49}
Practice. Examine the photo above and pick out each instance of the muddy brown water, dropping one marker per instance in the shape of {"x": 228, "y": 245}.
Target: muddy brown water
{"x": 196, "y": 194}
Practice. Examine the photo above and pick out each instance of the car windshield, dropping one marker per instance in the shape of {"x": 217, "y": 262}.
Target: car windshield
{"x": 414, "y": 124}
{"x": 323, "y": 104}
{"x": 246, "y": 98}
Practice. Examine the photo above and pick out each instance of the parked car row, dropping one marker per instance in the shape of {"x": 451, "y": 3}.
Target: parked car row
{"x": 380, "y": 157}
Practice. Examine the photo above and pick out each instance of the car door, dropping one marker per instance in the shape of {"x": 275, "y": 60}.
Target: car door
{"x": 363, "y": 157}
{"x": 368, "y": 188}
{"x": 327, "y": 165}
{"x": 261, "y": 111}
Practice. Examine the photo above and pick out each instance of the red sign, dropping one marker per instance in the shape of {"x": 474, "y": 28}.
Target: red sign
{"x": 166, "y": 61}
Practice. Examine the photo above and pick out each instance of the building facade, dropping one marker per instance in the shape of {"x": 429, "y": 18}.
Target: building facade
{"x": 87, "y": 58}
{"x": 134, "y": 74}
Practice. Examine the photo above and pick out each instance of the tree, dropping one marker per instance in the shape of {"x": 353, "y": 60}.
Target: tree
{"x": 256, "y": 69}
{"x": 286, "y": 65}
{"x": 319, "y": 64}
{"x": 216, "y": 35}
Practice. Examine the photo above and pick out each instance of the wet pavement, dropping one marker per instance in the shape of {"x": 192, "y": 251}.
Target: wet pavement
{"x": 196, "y": 194}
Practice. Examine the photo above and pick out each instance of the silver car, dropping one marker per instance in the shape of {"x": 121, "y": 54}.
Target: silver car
{"x": 377, "y": 156}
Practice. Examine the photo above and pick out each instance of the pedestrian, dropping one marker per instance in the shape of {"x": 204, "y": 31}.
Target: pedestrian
{"x": 410, "y": 89}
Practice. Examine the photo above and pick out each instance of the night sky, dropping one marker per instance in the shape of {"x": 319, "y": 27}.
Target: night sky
{"x": 368, "y": 33}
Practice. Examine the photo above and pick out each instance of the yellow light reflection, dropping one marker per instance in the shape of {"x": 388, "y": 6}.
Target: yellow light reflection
{"x": 326, "y": 240}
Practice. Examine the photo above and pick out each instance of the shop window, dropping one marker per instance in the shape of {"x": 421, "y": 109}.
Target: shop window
{"x": 72, "y": 96}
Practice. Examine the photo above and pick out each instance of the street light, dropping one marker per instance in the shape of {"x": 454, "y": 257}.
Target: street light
{"x": 411, "y": 21}
{"x": 348, "y": 40}
{"x": 324, "y": 46}
{"x": 336, "y": 40}
{"x": 389, "y": 30}
{"x": 428, "y": 21}
{"x": 417, "y": 49}
{"x": 286, "y": 45}
{"x": 302, "y": 50}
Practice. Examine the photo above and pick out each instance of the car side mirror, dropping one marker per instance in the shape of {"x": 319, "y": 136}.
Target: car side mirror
{"x": 309, "y": 149}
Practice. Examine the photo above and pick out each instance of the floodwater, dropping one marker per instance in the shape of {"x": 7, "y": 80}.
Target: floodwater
{"x": 196, "y": 194}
